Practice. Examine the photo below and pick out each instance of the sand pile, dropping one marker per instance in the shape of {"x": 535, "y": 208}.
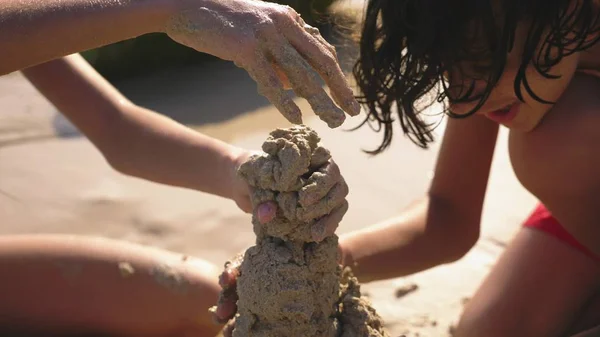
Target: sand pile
{"x": 290, "y": 285}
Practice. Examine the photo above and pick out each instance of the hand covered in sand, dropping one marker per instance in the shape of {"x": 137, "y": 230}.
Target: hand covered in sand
{"x": 240, "y": 191}
{"x": 324, "y": 197}
{"x": 277, "y": 48}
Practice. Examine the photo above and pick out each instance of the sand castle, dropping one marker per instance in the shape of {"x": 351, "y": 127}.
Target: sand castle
{"x": 290, "y": 285}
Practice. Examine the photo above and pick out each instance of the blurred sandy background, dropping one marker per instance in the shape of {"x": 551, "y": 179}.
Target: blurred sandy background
{"x": 52, "y": 180}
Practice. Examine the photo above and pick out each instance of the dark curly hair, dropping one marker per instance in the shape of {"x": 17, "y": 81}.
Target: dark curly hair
{"x": 408, "y": 48}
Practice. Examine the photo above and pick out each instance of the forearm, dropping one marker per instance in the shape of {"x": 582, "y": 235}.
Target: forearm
{"x": 32, "y": 31}
{"x": 134, "y": 140}
{"x": 427, "y": 234}
{"x": 167, "y": 152}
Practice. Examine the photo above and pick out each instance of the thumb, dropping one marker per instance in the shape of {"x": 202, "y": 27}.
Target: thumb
{"x": 266, "y": 211}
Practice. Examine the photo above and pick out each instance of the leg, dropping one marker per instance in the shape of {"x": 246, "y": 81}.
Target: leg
{"x": 55, "y": 285}
{"x": 588, "y": 323}
{"x": 538, "y": 288}
{"x": 593, "y": 332}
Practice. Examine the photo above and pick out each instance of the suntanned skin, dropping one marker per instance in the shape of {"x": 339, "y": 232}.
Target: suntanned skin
{"x": 549, "y": 162}
{"x": 538, "y": 279}
{"x": 135, "y": 140}
{"x": 144, "y": 144}
{"x": 266, "y": 40}
{"x": 141, "y": 143}
{"x": 553, "y": 150}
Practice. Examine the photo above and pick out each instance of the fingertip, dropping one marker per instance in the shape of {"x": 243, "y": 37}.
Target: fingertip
{"x": 353, "y": 107}
{"x": 228, "y": 329}
{"x": 331, "y": 114}
{"x": 336, "y": 121}
{"x": 228, "y": 278}
{"x": 266, "y": 212}
{"x": 318, "y": 231}
{"x": 331, "y": 228}
{"x": 225, "y": 311}
{"x": 292, "y": 112}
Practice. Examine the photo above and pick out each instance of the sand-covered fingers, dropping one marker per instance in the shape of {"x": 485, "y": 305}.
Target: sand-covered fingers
{"x": 334, "y": 198}
{"x": 228, "y": 277}
{"x": 319, "y": 184}
{"x": 271, "y": 86}
{"x": 227, "y": 304}
{"x": 327, "y": 225}
{"x": 228, "y": 328}
{"x": 304, "y": 81}
{"x": 266, "y": 212}
{"x": 322, "y": 56}
{"x": 275, "y": 46}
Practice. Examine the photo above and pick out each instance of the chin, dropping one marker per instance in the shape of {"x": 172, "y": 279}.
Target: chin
{"x": 525, "y": 126}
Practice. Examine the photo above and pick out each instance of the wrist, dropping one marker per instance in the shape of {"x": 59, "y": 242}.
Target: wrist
{"x": 171, "y": 8}
{"x": 157, "y": 13}
{"x": 231, "y": 159}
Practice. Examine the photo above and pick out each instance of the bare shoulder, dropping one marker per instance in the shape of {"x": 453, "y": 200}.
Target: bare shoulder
{"x": 563, "y": 152}
{"x": 559, "y": 161}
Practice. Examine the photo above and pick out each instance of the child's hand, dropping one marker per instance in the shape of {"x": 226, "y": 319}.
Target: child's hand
{"x": 275, "y": 46}
{"x": 334, "y": 198}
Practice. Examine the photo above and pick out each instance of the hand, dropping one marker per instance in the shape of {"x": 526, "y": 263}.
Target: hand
{"x": 275, "y": 46}
{"x": 240, "y": 190}
{"x": 328, "y": 204}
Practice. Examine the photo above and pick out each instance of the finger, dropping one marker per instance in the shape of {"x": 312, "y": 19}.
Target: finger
{"x": 320, "y": 156}
{"x": 304, "y": 81}
{"x": 228, "y": 329}
{"x": 333, "y": 199}
{"x": 228, "y": 278}
{"x": 226, "y": 306}
{"x": 266, "y": 212}
{"x": 271, "y": 87}
{"x": 323, "y": 57}
{"x": 285, "y": 81}
{"x": 327, "y": 225}
{"x": 319, "y": 184}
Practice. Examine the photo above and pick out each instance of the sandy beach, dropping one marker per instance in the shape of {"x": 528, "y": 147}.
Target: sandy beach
{"x": 52, "y": 180}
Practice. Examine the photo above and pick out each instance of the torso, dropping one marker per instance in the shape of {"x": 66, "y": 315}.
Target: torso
{"x": 565, "y": 147}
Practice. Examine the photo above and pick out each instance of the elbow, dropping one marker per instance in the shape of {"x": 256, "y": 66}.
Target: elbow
{"x": 115, "y": 163}
{"x": 115, "y": 153}
{"x": 118, "y": 162}
{"x": 460, "y": 242}
{"x": 115, "y": 142}
{"x": 455, "y": 228}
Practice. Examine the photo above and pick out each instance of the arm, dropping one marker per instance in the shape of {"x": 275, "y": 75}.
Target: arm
{"x": 254, "y": 35}
{"x": 443, "y": 226}
{"x": 32, "y": 32}
{"x": 134, "y": 140}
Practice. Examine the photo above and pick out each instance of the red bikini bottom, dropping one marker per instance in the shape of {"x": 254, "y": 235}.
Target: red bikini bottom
{"x": 541, "y": 219}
